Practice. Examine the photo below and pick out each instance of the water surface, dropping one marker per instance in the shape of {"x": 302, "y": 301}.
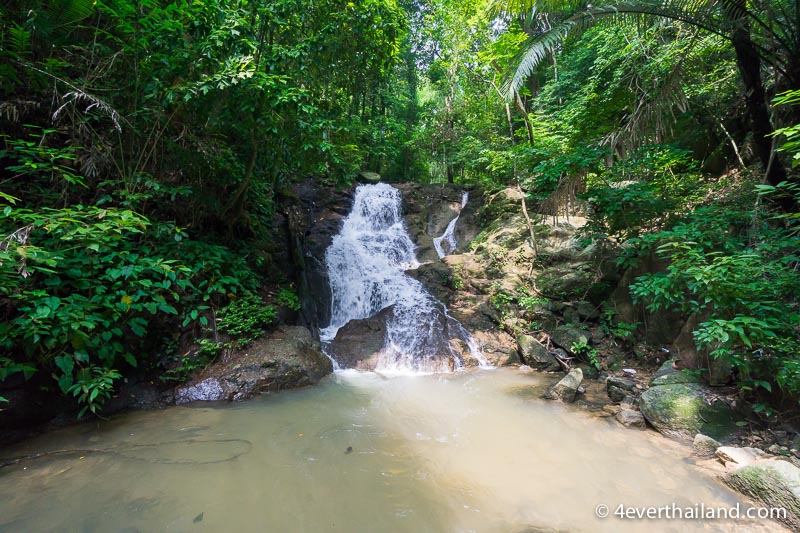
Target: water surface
{"x": 471, "y": 451}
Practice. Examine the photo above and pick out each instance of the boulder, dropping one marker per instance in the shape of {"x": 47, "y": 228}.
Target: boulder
{"x": 589, "y": 370}
{"x": 631, "y": 418}
{"x": 618, "y": 388}
{"x": 566, "y": 389}
{"x": 667, "y": 374}
{"x": 368, "y": 177}
{"x": 682, "y": 410}
{"x": 286, "y": 358}
{"x": 566, "y": 336}
{"x": 740, "y": 456}
{"x": 775, "y": 483}
{"x": 704, "y": 446}
{"x": 359, "y": 343}
{"x": 587, "y": 310}
{"x": 535, "y": 354}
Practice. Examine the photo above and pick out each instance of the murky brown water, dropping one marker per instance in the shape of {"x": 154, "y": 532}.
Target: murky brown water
{"x": 467, "y": 452}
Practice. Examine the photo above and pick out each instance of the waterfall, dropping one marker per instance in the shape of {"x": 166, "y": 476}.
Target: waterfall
{"x": 449, "y": 235}
{"x": 366, "y": 265}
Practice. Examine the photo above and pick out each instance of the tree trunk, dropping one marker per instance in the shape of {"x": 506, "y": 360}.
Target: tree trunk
{"x": 749, "y": 64}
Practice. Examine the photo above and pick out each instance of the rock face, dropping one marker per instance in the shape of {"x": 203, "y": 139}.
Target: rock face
{"x": 566, "y": 389}
{"x": 535, "y": 354}
{"x": 428, "y": 209}
{"x": 775, "y": 483}
{"x": 286, "y": 358}
{"x": 681, "y": 410}
{"x": 312, "y": 219}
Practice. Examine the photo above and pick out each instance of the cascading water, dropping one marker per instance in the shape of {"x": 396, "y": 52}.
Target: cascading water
{"x": 366, "y": 263}
{"x": 449, "y": 235}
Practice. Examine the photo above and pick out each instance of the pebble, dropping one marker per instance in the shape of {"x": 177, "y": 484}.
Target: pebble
{"x": 629, "y": 371}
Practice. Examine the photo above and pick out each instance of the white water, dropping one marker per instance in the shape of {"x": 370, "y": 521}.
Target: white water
{"x": 449, "y": 235}
{"x": 366, "y": 265}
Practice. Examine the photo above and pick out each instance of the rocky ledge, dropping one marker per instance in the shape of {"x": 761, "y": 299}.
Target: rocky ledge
{"x": 286, "y": 358}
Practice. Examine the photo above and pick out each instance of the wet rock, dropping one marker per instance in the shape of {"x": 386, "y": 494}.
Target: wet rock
{"x": 740, "y": 456}
{"x": 775, "y": 483}
{"x": 566, "y": 389}
{"x": 682, "y": 410}
{"x": 535, "y": 354}
{"x": 566, "y": 337}
{"x": 437, "y": 277}
{"x": 313, "y": 217}
{"x": 359, "y": 343}
{"x": 704, "y": 446}
{"x": 621, "y": 383}
{"x": 631, "y": 418}
{"x": 287, "y": 357}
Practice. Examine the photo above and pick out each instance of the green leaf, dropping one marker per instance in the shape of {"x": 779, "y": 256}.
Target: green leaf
{"x": 65, "y": 364}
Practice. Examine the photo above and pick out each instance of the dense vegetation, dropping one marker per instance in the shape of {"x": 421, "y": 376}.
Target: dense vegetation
{"x": 144, "y": 147}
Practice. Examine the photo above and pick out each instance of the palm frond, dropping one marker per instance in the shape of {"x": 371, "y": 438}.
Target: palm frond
{"x": 533, "y": 52}
{"x": 652, "y": 117}
{"x": 654, "y": 113}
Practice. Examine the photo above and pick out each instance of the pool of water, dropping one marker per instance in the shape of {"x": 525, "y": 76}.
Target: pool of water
{"x": 471, "y": 451}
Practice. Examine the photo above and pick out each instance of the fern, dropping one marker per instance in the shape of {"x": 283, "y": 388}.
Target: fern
{"x": 19, "y": 39}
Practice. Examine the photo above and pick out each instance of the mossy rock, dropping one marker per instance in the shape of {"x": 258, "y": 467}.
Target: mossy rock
{"x": 775, "y": 483}
{"x": 680, "y": 410}
{"x": 675, "y": 377}
{"x": 566, "y": 281}
{"x": 566, "y": 337}
{"x": 535, "y": 354}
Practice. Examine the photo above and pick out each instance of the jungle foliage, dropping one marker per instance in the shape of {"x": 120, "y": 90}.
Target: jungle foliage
{"x": 145, "y": 147}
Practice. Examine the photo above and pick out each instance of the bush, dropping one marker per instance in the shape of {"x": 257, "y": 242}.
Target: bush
{"x": 743, "y": 279}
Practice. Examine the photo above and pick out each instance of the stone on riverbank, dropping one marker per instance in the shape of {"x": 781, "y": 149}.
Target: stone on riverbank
{"x": 704, "y": 446}
{"x": 775, "y": 483}
{"x": 287, "y": 357}
{"x": 566, "y": 389}
{"x": 631, "y": 418}
{"x": 682, "y": 410}
{"x": 535, "y": 354}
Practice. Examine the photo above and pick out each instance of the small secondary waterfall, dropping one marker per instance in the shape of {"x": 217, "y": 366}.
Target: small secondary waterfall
{"x": 449, "y": 235}
{"x": 366, "y": 263}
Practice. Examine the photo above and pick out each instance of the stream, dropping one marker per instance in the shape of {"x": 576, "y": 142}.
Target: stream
{"x": 468, "y": 451}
